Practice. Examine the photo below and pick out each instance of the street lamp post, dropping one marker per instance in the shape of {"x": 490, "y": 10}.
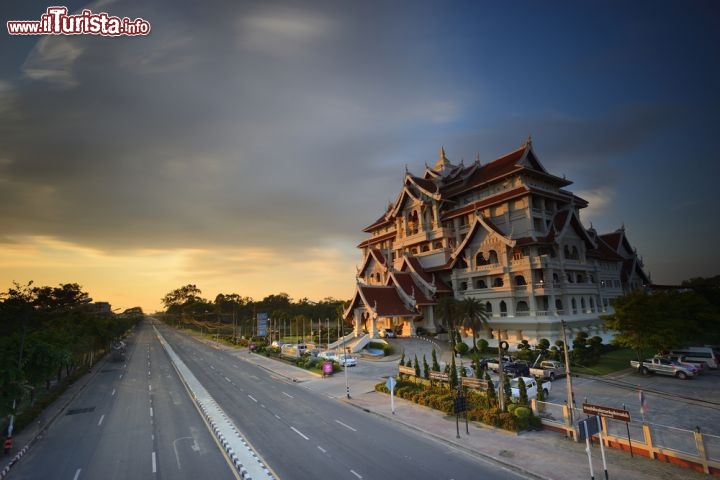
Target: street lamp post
{"x": 347, "y": 384}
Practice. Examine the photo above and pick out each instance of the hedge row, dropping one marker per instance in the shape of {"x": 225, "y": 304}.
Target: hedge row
{"x": 480, "y": 408}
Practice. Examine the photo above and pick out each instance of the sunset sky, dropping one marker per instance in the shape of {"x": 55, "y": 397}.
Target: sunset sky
{"x": 243, "y": 146}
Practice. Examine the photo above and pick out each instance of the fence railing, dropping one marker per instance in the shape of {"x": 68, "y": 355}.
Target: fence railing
{"x": 688, "y": 448}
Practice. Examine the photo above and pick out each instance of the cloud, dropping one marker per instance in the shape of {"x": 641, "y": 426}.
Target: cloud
{"x": 281, "y": 31}
{"x": 53, "y": 60}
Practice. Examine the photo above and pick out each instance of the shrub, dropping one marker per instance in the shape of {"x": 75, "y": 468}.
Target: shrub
{"x": 523, "y": 415}
{"x": 461, "y": 348}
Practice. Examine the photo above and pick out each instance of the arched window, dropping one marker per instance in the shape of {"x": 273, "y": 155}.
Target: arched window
{"x": 503, "y": 309}
{"x": 575, "y": 254}
{"x": 580, "y": 278}
{"x": 480, "y": 259}
{"x": 522, "y": 307}
{"x": 558, "y": 304}
{"x": 566, "y": 252}
{"x": 377, "y": 277}
{"x": 492, "y": 257}
{"x": 463, "y": 285}
{"x": 592, "y": 304}
{"x": 570, "y": 278}
{"x": 461, "y": 263}
{"x": 438, "y": 245}
{"x": 573, "y": 303}
{"x": 480, "y": 283}
{"x": 556, "y": 278}
{"x": 413, "y": 223}
{"x": 425, "y": 248}
{"x": 488, "y": 308}
{"x": 582, "y": 303}
{"x": 498, "y": 282}
{"x": 520, "y": 280}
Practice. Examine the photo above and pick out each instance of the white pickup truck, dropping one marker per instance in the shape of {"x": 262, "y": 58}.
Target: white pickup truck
{"x": 548, "y": 369}
{"x": 662, "y": 366}
{"x": 531, "y": 387}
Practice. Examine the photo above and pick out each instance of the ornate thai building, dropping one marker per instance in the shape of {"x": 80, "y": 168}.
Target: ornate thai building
{"x": 507, "y": 233}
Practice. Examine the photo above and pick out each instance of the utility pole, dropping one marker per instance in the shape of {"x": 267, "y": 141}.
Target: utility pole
{"x": 568, "y": 376}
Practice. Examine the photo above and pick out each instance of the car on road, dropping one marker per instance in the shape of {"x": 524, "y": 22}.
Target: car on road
{"x": 388, "y": 333}
{"x": 347, "y": 360}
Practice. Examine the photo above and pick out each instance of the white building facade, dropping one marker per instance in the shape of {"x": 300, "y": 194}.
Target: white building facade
{"x": 507, "y": 233}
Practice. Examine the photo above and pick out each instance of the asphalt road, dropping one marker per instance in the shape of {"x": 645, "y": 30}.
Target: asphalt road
{"x": 134, "y": 420}
{"x": 301, "y": 433}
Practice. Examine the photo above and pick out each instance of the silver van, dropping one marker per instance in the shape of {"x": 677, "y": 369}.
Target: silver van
{"x": 698, "y": 354}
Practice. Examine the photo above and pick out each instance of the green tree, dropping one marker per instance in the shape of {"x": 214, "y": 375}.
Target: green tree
{"x": 656, "y": 322}
{"x": 182, "y": 298}
{"x": 416, "y": 365}
{"x": 426, "y": 368}
{"x": 473, "y": 316}
{"x": 435, "y": 364}
{"x": 491, "y": 394}
{"x": 522, "y": 392}
{"x": 453, "y": 373}
{"x": 447, "y": 311}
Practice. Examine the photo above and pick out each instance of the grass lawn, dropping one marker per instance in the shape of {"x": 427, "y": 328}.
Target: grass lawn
{"x": 610, "y": 362}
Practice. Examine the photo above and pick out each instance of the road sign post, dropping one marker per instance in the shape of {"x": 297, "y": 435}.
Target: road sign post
{"x": 390, "y": 384}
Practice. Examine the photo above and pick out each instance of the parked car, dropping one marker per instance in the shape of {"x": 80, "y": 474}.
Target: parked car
{"x": 347, "y": 360}
{"x": 549, "y": 370}
{"x": 662, "y": 366}
{"x": 388, "y": 333}
{"x": 276, "y": 344}
{"x": 531, "y": 387}
{"x": 328, "y": 356}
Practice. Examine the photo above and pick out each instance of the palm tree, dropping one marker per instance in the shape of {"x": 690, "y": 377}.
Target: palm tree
{"x": 447, "y": 310}
{"x": 473, "y": 316}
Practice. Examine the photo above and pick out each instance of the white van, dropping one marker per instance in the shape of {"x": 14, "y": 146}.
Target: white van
{"x": 698, "y": 354}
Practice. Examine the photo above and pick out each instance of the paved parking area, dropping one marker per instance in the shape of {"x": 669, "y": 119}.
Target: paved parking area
{"x": 671, "y": 402}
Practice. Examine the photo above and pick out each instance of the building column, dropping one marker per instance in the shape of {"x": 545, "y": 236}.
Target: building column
{"x": 358, "y": 319}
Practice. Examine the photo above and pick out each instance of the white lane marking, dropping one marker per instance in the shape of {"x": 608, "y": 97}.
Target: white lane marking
{"x": 321, "y": 449}
{"x": 287, "y": 395}
{"x": 101, "y": 420}
{"x": 252, "y": 398}
{"x": 212, "y": 366}
{"x": 277, "y": 416}
{"x": 113, "y": 393}
{"x": 346, "y": 426}
{"x": 151, "y": 412}
{"x": 299, "y": 433}
{"x": 121, "y": 376}
{"x": 355, "y": 473}
{"x": 150, "y": 388}
{"x": 155, "y": 465}
{"x": 148, "y": 373}
{"x": 77, "y": 474}
{"x": 228, "y": 380}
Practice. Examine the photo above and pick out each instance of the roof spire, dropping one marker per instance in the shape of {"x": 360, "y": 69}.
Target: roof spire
{"x": 528, "y": 142}
{"x": 477, "y": 159}
{"x": 442, "y": 161}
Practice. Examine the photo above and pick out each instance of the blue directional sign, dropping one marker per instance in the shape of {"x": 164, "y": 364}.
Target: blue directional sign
{"x": 390, "y": 384}
{"x": 588, "y": 427}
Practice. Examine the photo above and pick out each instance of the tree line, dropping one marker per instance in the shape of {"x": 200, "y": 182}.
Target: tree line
{"x": 661, "y": 319}
{"x": 46, "y": 334}
{"x": 186, "y": 304}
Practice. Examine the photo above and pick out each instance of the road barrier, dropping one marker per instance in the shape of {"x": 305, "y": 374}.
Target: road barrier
{"x": 686, "y": 448}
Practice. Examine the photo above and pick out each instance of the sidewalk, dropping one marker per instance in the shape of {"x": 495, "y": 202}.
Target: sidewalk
{"x": 542, "y": 454}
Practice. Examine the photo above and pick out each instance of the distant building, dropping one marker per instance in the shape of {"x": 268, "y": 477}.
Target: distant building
{"x": 507, "y": 233}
